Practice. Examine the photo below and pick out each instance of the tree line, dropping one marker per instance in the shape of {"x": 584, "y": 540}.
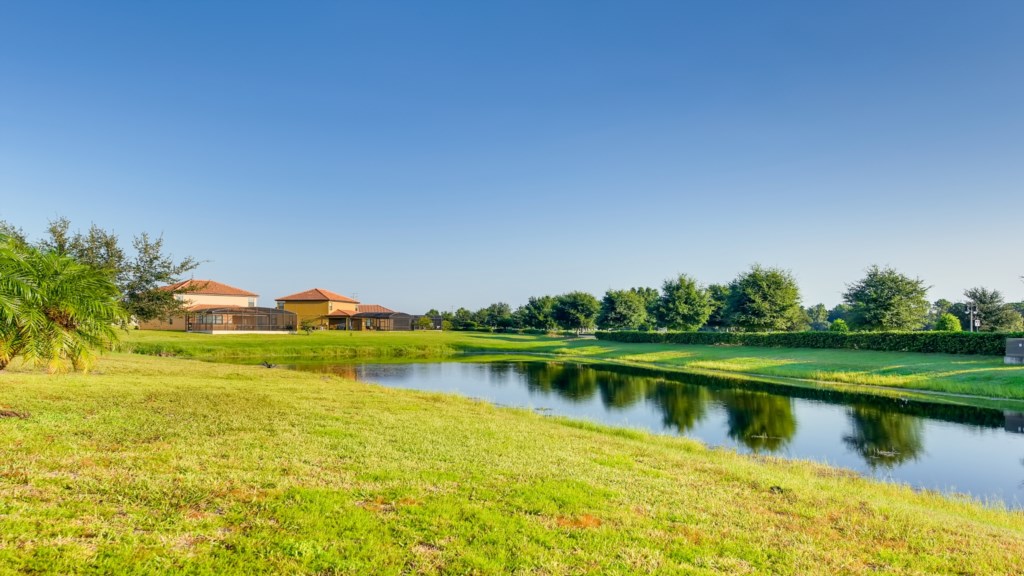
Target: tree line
{"x": 761, "y": 299}
{"x": 64, "y": 296}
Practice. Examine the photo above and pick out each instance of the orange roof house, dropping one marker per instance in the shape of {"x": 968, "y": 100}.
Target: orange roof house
{"x": 216, "y": 308}
{"x": 318, "y": 308}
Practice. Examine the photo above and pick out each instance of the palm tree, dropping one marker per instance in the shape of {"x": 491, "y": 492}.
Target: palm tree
{"x": 54, "y": 310}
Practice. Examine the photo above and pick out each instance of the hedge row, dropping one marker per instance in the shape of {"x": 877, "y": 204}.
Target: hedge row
{"x": 984, "y": 343}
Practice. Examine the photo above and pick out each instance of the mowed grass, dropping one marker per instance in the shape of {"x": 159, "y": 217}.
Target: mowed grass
{"x": 160, "y": 465}
{"x": 985, "y": 376}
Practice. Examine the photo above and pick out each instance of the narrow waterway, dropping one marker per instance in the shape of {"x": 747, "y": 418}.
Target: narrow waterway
{"x": 935, "y": 446}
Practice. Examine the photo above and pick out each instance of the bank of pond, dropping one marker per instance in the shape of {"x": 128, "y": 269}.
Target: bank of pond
{"x": 945, "y": 447}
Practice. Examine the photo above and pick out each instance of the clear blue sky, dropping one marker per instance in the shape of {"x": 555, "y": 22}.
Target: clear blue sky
{"x": 444, "y": 154}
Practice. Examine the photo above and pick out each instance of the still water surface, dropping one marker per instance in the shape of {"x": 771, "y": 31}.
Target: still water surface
{"x": 948, "y": 448}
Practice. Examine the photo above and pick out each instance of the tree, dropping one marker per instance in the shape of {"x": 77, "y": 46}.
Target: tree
{"x": 97, "y": 248}
{"x": 53, "y": 309}
{"x": 939, "y": 307}
{"x": 839, "y": 325}
{"x": 649, "y": 296}
{"x": 887, "y": 300}
{"x": 622, "y": 310}
{"x": 948, "y": 323}
{"x": 993, "y": 312}
{"x": 425, "y": 323}
{"x": 684, "y": 305}
{"x": 576, "y": 311}
{"x": 765, "y": 300}
{"x": 719, "y": 318}
{"x": 141, "y": 277}
{"x": 840, "y": 312}
{"x": 463, "y": 320}
{"x": 497, "y": 315}
{"x": 817, "y": 315}
{"x": 537, "y": 313}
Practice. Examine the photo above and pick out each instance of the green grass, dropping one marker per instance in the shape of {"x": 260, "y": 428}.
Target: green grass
{"x": 159, "y": 465}
{"x": 972, "y": 375}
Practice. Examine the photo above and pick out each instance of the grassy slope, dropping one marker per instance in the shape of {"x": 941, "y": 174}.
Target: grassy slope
{"x": 160, "y": 465}
{"x": 977, "y": 375}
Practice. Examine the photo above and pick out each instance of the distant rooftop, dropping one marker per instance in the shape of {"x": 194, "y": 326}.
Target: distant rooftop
{"x": 316, "y": 295}
{"x": 208, "y": 287}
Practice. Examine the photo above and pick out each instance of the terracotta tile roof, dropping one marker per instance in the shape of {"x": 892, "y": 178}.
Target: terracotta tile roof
{"x": 209, "y": 287}
{"x": 338, "y": 313}
{"x": 316, "y": 295}
{"x": 373, "y": 308}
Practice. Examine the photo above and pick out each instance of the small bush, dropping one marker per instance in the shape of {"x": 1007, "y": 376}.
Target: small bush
{"x": 948, "y": 323}
{"x": 839, "y": 325}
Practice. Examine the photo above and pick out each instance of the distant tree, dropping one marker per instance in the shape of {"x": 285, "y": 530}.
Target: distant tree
{"x": 840, "y": 312}
{"x": 622, "y": 310}
{"x": 463, "y": 320}
{"x": 649, "y": 296}
{"x": 497, "y": 315}
{"x": 424, "y": 323}
{"x": 839, "y": 325}
{"x": 143, "y": 274}
{"x": 939, "y": 307}
{"x": 765, "y": 300}
{"x": 719, "y": 318}
{"x": 538, "y": 313}
{"x": 576, "y": 311}
{"x": 97, "y": 247}
{"x": 684, "y": 305}
{"x": 446, "y": 325}
{"x": 817, "y": 316}
{"x": 995, "y": 314}
{"x": 887, "y": 300}
{"x": 12, "y": 233}
{"x": 948, "y": 323}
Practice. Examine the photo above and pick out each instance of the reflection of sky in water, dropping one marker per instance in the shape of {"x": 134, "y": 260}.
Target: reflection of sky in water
{"x": 983, "y": 461}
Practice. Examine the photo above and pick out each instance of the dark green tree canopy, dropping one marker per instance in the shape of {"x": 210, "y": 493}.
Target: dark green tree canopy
{"x": 887, "y": 300}
{"x": 765, "y": 300}
{"x": 817, "y": 316}
{"x": 684, "y": 305}
{"x": 538, "y": 312}
{"x": 719, "y": 318}
{"x": 992, "y": 310}
{"x": 622, "y": 310}
{"x": 576, "y": 311}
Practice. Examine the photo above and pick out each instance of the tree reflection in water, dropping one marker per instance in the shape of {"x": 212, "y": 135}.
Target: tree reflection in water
{"x": 758, "y": 420}
{"x": 682, "y": 406}
{"x": 883, "y": 438}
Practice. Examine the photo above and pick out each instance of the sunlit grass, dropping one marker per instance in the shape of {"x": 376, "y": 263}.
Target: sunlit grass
{"x": 175, "y": 466}
{"x": 970, "y": 375}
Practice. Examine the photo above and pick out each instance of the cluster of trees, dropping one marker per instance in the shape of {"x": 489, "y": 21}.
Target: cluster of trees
{"x": 64, "y": 296}
{"x": 762, "y": 299}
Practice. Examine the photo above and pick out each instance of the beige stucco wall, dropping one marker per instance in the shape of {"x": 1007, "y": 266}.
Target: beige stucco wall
{"x": 216, "y": 300}
{"x": 176, "y": 323}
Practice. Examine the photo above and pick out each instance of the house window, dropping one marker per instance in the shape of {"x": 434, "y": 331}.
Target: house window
{"x": 252, "y": 302}
{"x": 330, "y": 306}
{"x": 280, "y": 305}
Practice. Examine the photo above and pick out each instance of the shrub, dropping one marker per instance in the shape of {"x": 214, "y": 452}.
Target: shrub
{"x": 839, "y": 325}
{"x": 948, "y": 323}
{"x": 982, "y": 343}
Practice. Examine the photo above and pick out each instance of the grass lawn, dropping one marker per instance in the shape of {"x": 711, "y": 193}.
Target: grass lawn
{"x": 169, "y": 465}
{"x": 975, "y": 375}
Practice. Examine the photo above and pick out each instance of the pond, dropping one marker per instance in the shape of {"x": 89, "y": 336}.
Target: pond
{"x": 942, "y": 447}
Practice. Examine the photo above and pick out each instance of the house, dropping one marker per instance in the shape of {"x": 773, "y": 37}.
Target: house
{"x": 213, "y": 307}
{"x": 377, "y": 317}
{"x": 315, "y": 307}
{"x": 326, "y": 310}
